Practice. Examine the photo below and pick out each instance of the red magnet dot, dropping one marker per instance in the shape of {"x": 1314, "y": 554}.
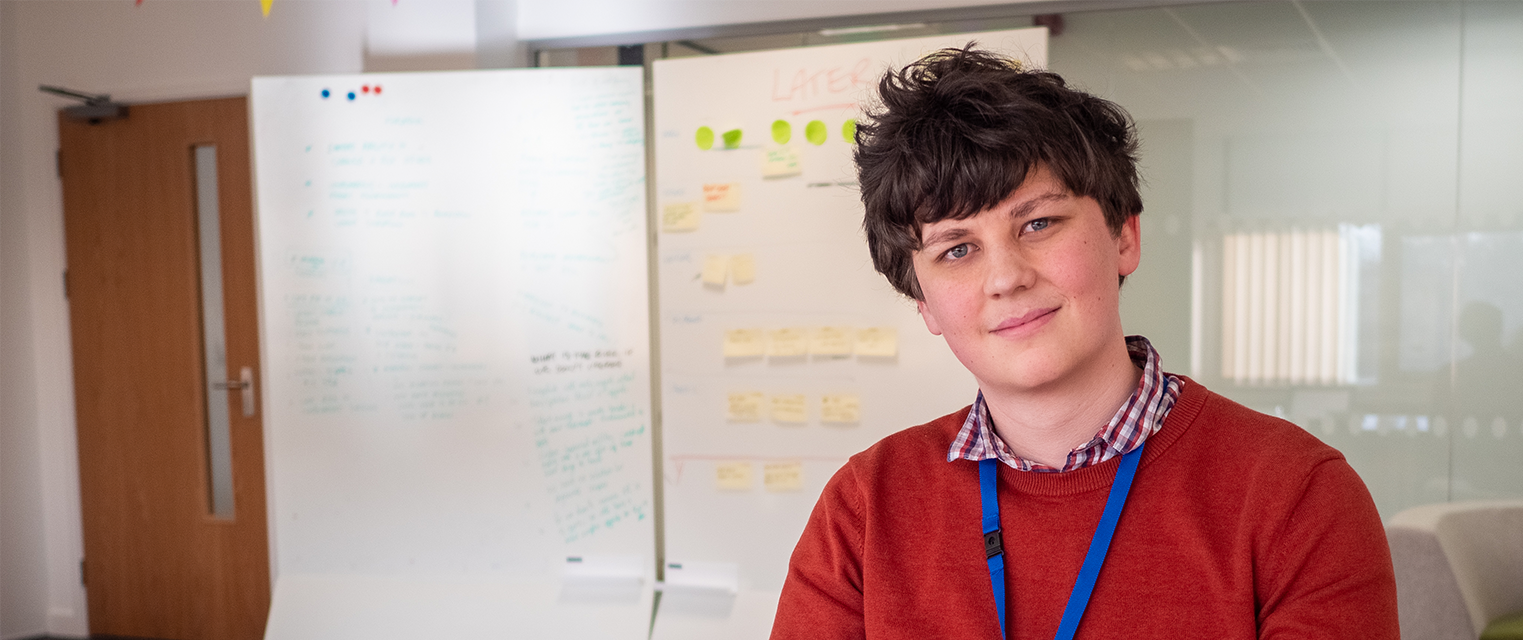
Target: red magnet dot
{"x": 378, "y": 89}
{"x": 365, "y": 89}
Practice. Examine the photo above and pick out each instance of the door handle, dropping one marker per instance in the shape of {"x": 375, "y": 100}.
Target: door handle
{"x": 244, "y": 383}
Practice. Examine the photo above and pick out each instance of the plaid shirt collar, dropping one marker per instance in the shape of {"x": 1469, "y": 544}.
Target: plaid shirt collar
{"x": 1139, "y": 417}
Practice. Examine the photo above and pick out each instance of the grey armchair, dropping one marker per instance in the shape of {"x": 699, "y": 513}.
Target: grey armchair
{"x": 1459, "y": 567}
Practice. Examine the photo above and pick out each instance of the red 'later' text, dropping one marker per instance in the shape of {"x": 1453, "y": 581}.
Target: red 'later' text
{"x": 811, "y": 83}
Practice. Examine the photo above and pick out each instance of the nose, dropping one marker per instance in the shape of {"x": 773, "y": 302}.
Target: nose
{"x": 1008, "y": 270}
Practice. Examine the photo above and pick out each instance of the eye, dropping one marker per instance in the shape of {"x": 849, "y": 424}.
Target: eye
{"x": 1039, "y": 224}
{"x": 957, "y": 252}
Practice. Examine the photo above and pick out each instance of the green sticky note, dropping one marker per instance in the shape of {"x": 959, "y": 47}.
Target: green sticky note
{"x": 705, "y": 138}
{"x": 782, "y": 132}
{"x": 849, "y": 131}
{"x": 732, "y": 139}
{"x": 814, "y": 132}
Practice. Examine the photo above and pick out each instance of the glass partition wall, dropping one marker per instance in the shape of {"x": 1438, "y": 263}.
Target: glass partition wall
{"x": 1333, "y": 229}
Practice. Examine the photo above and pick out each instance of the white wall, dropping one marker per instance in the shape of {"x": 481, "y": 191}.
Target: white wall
{"x": 23, "y": 595}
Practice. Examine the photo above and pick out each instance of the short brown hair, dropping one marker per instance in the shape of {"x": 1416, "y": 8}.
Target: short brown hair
{"x": 957, "y": 131}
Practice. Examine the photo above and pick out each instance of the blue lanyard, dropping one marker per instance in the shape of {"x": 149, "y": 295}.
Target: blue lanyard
{"x": 988, "y": 475}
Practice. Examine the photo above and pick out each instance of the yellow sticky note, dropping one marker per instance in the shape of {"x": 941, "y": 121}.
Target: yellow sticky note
{"x": 715, "y": 267}
{"x": 790, "y": 342}
{"x": 743, "y": 268}
{"x": 840, "y": 409}
{"x": 781, "y": 162}
{"x": 744, "y": 343}
{"x": 722, "y": 197}
{"x": 832, "y": 341}
{"x": 745, "y": 406}
{"x": 789, "y": 407}
{"x": 733, "y": 476}
{"x": 878, "y": 341}
{"x": 679, "y": 216}
{"x": 783, "y": 476}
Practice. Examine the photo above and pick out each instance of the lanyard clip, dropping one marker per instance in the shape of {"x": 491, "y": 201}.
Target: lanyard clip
{"x": 992, "y": 544}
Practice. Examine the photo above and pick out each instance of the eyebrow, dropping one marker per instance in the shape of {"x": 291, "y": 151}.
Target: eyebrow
{"x": 1021, "y": 210}
{"x": 1026, "y": 208}
{"x": 945, "y": 235}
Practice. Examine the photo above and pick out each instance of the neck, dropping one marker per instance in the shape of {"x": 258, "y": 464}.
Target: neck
{"x": 1043, "y": 424}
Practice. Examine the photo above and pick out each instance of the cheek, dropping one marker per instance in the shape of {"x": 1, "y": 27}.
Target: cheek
{"x": 1085, "y": 271}
{"x": 943, "y": 316}
{"x": 954, "y": 305}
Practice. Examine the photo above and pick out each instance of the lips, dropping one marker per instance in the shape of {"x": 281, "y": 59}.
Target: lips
{"x": 1026, "y": 321}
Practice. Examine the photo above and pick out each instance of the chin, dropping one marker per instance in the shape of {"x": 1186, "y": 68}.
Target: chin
{"x": 1029, "y": 369}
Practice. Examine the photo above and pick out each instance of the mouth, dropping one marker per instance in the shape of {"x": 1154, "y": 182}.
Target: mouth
{"x": 1029, "y": 321}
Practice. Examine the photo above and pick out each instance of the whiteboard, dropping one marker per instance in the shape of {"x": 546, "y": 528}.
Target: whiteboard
{"x": 455, "y": 325}
{"x": 728, "y": 541}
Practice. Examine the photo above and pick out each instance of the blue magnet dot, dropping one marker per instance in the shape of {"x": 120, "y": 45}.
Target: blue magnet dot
{"x": 351, "y": 95}
{"x": 326, "y": 93}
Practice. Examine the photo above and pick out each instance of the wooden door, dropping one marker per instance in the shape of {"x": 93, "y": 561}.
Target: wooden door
{"x": 158, "y": 563}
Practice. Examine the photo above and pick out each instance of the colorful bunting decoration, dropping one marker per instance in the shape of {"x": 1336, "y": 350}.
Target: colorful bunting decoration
{"x": 264, "y": 5}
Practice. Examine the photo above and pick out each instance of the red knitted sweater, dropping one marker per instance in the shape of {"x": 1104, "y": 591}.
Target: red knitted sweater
{"x": 1239, "y": 525}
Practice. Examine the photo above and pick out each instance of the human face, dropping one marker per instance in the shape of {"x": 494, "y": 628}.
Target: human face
{"x": 1026, "y": 292}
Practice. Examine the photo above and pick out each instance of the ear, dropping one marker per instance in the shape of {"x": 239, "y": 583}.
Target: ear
{"x": 930, "y": 320}
{"x": 1129, "y": 246}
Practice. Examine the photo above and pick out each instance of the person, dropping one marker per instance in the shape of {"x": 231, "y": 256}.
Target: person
{"x": 1005, "y": 204}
